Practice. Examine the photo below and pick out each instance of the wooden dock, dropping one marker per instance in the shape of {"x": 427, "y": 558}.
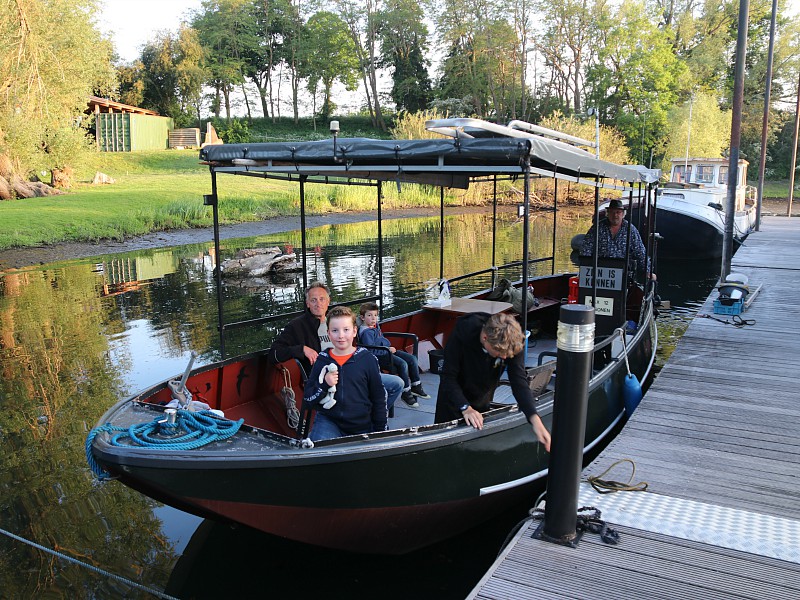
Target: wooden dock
{"x": 717, "y": 439}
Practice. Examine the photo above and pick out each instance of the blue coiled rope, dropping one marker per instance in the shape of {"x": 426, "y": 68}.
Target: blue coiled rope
{"x": 190, "y": 430}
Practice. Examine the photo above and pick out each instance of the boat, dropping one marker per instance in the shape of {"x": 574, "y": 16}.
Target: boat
{"x": 690, "y": 216}
{"x": 417, "y": 483}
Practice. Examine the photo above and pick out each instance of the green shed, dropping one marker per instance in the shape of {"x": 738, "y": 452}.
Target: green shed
{"x": 126, "y": 132}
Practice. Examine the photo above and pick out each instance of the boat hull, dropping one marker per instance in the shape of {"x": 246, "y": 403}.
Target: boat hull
{"x": 387, "y": 493}
{"x": 690, "y": 230}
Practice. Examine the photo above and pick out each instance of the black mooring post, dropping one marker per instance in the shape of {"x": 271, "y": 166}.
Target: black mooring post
{"x": 575, "y": 342}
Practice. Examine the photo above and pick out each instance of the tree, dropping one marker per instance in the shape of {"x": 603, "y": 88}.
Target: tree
{"x": 225, "y": 28}
{"x": 403, "y": 37}
{"x": 363, "y": 22}
{"x": 637, "y": 76}
{"x": 168, "y": 78}
{"x": 263, "y": 48}
{"x": 710, "y": 130}
{"x": 53, "y": 58}
{"x": 328, "y": 55}
{"x": 568, "y": 44}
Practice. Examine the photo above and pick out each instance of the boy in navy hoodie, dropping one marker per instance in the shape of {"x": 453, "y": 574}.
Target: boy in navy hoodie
{"x": 404, "y": 364}
{"x": 358, "y": 402}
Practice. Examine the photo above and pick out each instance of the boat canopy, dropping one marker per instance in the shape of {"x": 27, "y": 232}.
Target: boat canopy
{"x": 449, "y": 162}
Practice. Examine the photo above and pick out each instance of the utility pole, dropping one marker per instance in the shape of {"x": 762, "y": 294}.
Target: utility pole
{"x": 763, "y": 161}
{"x": 794, "y": 152}
{"x": 736, "y": 134}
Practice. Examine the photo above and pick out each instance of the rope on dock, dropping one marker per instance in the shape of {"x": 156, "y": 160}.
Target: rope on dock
{"x": 133, "y": 584}
{"x": 608, "y": 486}
{"x": 736, "y": 320}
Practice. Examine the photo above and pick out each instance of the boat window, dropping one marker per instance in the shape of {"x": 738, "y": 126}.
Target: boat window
{"x": 682, "y": 173}
{"x": 705, "y": 174}
{"x": 723, "y": 175}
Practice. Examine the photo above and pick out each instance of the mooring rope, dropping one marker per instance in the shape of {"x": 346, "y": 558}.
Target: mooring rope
{"x": 190, "y": 430}
{"x": 120, "y": 578}
{"x": 736, "y": 320}
{"x": 607, "y": 486}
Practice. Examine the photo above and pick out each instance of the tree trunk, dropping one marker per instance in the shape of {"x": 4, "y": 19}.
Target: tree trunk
{"x": 61, "y": 178}
{"x": 262, "y": 95}
{"x": 5, "y": 189}
{"x": 226, "y": 93}
{"x": 217, "y": 101}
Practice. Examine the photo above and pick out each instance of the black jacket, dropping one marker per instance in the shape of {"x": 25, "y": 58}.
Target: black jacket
{"x": 300, "y": 331}
{"x": 470, "y": 375}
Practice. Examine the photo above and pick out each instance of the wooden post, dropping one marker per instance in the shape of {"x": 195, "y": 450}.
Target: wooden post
{"x": 794, "y": 152}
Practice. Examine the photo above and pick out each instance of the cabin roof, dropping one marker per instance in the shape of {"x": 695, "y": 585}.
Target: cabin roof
{"x": 724, "y": 161}
{"x": 450, "y": 162}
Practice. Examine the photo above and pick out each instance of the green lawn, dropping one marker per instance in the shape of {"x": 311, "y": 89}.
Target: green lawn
{"x": 161, "y": 190}
{"x": 153, "y": 191}
{"x": 778, "y": 189}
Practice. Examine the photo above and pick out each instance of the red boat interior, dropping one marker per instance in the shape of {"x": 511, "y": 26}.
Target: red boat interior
{"x": 254, "y": 389}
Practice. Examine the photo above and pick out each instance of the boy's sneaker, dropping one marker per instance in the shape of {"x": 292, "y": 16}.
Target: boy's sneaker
{"x": 419, "y": 392}
{"x": 410, "y": 399}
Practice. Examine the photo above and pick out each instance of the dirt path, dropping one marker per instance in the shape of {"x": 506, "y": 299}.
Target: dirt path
{"x": 24, "y": 257}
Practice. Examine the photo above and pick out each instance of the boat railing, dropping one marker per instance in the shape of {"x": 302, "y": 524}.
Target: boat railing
{"x": 494, "y": 269}
{"x": 465, "y": 127}
{"x": 290, "y": 315}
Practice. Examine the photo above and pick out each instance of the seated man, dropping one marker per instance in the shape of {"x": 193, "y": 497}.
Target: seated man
{"x": 613, "y": 239}
{"x": 304, "y": 337}
{"x": 479, "y": 349}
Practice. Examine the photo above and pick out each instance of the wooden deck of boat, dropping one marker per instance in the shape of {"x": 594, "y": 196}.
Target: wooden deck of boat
{"x": 717, "y": 441}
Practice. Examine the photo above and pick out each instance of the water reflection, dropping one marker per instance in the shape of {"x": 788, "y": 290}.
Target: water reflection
{"x": 76, "y": 337}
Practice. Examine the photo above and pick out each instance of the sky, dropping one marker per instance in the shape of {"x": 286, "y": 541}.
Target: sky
{"x": 132, "y": 23}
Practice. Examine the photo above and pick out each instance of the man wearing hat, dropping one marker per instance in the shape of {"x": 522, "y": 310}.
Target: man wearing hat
{"x": 613, "y": 237}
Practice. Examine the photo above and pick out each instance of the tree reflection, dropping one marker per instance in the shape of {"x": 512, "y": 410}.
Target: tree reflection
{"x": 69, "y": 349}
{"x": 56, "y": 383}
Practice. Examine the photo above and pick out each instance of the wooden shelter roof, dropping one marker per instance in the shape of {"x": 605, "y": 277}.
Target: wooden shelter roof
{"x": 97, "y": 104}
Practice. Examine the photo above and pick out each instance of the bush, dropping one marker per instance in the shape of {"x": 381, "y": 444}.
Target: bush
{"x": 236, "y": 132}
{"x": 411, "y": 126}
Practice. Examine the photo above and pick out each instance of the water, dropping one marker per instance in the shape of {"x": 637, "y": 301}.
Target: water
{"x": 77, "y": 336}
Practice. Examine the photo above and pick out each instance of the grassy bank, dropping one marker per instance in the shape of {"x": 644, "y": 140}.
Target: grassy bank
{"x": 163, "y": 190}
{"x": 778, "y": 190}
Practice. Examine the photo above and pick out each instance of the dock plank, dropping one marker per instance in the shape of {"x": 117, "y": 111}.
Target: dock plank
{"x": 717, "y": 427}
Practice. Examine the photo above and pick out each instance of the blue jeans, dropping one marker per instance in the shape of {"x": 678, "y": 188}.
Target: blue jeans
{"x": 325, "y": 429}
{"x": 394, "y": 387}
{"x": 406, "y": 366}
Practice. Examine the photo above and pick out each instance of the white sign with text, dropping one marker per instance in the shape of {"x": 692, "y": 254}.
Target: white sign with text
{"x": 605, "y": 306}
{"x": 607, "y": 278}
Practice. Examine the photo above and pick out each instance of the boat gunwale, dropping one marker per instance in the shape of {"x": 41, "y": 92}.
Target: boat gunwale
{"x": 357, "y": 447}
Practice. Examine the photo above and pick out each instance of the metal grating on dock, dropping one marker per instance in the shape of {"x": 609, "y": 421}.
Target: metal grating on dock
{"x": 717, "y": 440}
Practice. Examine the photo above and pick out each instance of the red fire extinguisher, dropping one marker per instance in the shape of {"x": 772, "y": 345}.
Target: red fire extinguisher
{"x": 572, "y": 298}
